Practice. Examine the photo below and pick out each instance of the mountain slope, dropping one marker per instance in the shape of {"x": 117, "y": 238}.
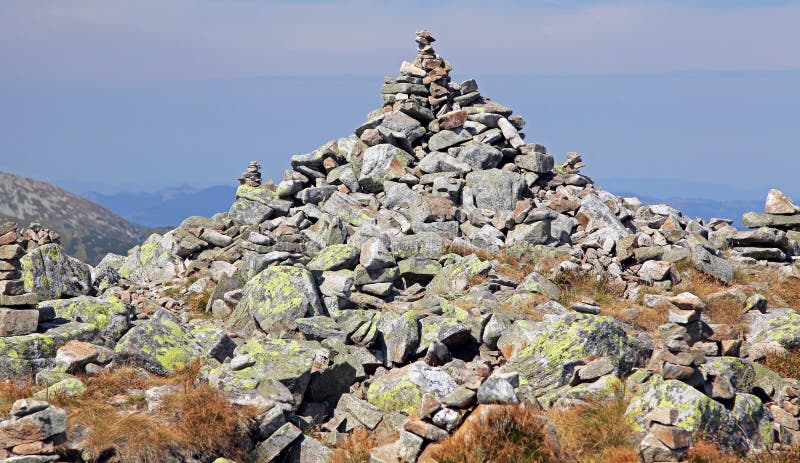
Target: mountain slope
{"x": 166, "y": 207}
{"x": 88, "y": 231}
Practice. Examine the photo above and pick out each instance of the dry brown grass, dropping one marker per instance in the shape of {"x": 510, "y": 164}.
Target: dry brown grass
{"x": 502, "y": 434}
{"x": 707, "y": 452}
{"x": 780, "y": 290}
{"x": 514, "y": 263}
{"x": 576, "y": 284}
{"x": 595, "y": 433}
{"x": 704, "y": 451}
{"x": 197, "y": 302}
{"x": 786, "y": 364}
{"x": 10, "y": 392}
{"x": 643, "y": 318}
{"x": 355, "y": 448}
{"x": 197, "y": 419}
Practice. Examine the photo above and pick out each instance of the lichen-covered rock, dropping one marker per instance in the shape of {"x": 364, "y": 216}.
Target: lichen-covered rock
{"x": 213, "y": 340}
{"x": 537, "y": 283}
{"x": 400, "y": 334}
{"x": 275, "y": 298}
{"x": 286, "y": 361}
{"x": 456, "y": 277}
{"x": 67, "y": 387}
{"x": 151, "y": 261}
{"x": 106, "y": 272}
{"x": 161, "y": 344}
{"x": 111, "y": 317}
{"x": 380, "y": 163}
{"x": 52, "y": 274}
{"x": 334, "y": 257}
{"x": 781, "y": 332}
{"x": 21, "y": 356}
{"x": 495, "y": 189}
{"x": 697, "y": 412}
{"x": 738, "y": 372}
{"x": 548, "y": 360}
{"x": 401, "y": 390}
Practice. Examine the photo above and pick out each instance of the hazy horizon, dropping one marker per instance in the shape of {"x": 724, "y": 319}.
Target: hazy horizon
{"x": 123, "y": 97}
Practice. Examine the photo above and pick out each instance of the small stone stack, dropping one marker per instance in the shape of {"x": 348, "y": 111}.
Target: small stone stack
{"x": 36, "y": 235}
{"x": 18, "y": 313}
{"x": 33, "y": 433}
{"x": 776, "y": 233}
{"x": 253, "y": 175}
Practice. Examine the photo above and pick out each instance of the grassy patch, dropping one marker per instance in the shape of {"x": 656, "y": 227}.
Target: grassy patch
{"x": 502, "y": 434}
{"x": 576, "y": 284}
{"x": 355, "y": 448}
{"x": 10, "y": 392}
{"x": 596, "y": 433}
{"x": 197, "y": 419}
{"x": 786, "y": 364}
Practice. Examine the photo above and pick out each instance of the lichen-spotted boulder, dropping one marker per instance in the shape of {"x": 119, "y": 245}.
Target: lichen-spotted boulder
{"x": 52, "y": 274}
{"x": 781, "y": 332}
{"x": 401, "y": 389}
{"x": 275, "y": 298}
{"x": 697, "y": 412}
{"x": 334, "y": 257}
{"x": 22, "y": 356}
{"x": 111, "y": 317}
{"x": 548, "y": 359}
{"x": 456, "y": 277}
{"x": 263, "y": 361}
{"x": 151, "y": 261}
{"x": 161, "y": 344}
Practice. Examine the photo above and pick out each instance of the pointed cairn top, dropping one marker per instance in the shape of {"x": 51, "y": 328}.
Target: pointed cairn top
{"x": 253, "y": 175}
{"x": 428, "y": 76}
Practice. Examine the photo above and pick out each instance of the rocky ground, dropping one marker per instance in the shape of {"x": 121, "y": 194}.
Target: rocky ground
{"x": 424, "y": 289}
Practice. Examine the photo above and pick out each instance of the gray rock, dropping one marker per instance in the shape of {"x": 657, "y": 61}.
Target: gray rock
{"x": 480, "y": 156}
{"x": 537, "y": 283}
{"x": 52, "y": 274}
{"x": 447, "y": 138}
{"x": 37, "y": 426}
{"x": 276, "y": 443}
{"x": 380, "y": 163}
{"x": 497, "y": 389}
{"x": 400, "y": 334}
{"x": 366, "y": 413}
{"x": 376, "y": 255}
{"x": 161, "y": 344}
{"x": 275, "y": 298}
{"x": 780, "y": 204}
{"x": 441, "y": 162}
{"x": 540, "y": 163}
{"x": 718, "y": 267}
{"x": 495, "y": 189}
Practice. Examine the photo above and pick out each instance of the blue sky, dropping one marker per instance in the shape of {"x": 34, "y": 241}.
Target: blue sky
{"x": 105, "y": 94}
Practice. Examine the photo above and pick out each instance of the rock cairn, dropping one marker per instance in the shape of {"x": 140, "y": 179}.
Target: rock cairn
{"x": 380, "y": 285}
{"x": 33, "y": 432}
{"x": 775, "y": 234}
{"x": 251, "y": 177}
{"x": 36, "y": 235}
{"x": 18, "y": 313}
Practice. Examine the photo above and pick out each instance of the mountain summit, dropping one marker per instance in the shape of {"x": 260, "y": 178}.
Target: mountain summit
{"x": 430, "y": 288}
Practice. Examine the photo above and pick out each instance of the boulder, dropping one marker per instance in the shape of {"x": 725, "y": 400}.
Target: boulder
{"x": 380, "y": 163}
{"x": 275, "y": 298}
{"x": 52, "y": 274}
{"x": 401, "y": 389}
{"x": 495, "y": 189}
{"x": 161, "y": 344}
{"x": 151, "y": 261}
{"x": 550, "y": 355}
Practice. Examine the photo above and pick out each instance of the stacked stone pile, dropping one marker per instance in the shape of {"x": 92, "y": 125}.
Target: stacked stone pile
{"x": 775, "y": 234}
{"x": 252, "y": 176}
{"x": 372, "y": 288}
{"x": 33, "y": 432}
{"x": 36, "y": 235}
{"x": 18, "y": 313}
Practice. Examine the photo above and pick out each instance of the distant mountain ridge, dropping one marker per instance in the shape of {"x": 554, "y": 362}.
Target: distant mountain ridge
{"x": 167, "y": 207}
{"x": 88, "y": 231}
